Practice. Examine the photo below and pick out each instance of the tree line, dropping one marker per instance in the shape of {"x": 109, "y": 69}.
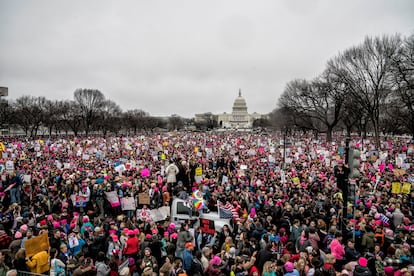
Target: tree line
{"x": 366, "y": 87}
{"x": 89, "y": 112}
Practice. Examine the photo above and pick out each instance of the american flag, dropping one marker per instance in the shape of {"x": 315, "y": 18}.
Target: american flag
{"x": 384, "y": 218}
{"x": 225, "y": 211}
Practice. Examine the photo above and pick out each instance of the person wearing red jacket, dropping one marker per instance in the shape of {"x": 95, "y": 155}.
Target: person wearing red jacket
{"x": 132, "y": 245}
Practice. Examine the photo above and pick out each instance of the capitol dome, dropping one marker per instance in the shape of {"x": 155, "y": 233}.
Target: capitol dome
{"x": 239, "y": 105}
{"x": 239, "y": 119}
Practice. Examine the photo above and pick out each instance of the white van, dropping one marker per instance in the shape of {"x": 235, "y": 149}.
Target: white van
{"x": 180, "y": 213}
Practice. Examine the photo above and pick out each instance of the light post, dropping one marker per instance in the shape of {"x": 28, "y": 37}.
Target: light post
{"x": 4, "y": 92}
{"x": 362, "y": 133}
{"x": 284, "y": 148}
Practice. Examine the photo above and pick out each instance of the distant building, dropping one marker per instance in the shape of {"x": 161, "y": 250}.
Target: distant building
{"x": 238, "y": 119}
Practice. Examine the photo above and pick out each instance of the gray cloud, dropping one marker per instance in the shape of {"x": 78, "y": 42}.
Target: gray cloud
{"x": 182, "y": 57}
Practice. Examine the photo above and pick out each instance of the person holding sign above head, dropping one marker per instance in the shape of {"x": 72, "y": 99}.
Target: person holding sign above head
{"x": 39, "y": 262}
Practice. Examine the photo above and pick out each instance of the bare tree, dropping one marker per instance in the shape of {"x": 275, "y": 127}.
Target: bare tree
{"x": 5, "y": 113}
{"x": 29, "y": 113}
{"x": 316, "y": 105}
{"x": 402, "y": 100}
{"x": 282, "y": 118}
{"x": 135, "y": 119}
{"x": 109, "y": 118}
{"x": 52, "y": 114}
{"x": 175, "y": 122}
{"x": 365, "y": 71}
{"x": 90, "y": 101}
{"x": 70, "y": 116}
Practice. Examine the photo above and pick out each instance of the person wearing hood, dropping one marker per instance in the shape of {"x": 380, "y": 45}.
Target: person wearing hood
{"x": 368, "y": 239}
{"x": 290, "y": 269}
{"x": 361, "y": 268}
{"x": 397, "y": 216}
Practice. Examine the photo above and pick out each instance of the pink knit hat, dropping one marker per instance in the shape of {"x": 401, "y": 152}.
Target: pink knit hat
{"x": 23, "y": 227}
{"x": 216, "y": 260}
{"x": 18, "y": 235}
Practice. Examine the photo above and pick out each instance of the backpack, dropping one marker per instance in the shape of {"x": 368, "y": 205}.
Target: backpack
{"x": 327, "y": 241}
{"x": 196, "y": 268}
{"x": 181, "y": 272}
{"x": 5, "y": 241}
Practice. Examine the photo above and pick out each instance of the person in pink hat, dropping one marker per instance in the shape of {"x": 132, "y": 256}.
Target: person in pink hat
{"x": 362, "y": 267}
{"x": 113, "y": 244}
{"x": 132, "y": 245}
{"x": 15, "y": 245}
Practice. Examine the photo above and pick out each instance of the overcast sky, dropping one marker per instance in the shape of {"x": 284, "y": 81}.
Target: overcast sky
{"x": 182, "y": 56}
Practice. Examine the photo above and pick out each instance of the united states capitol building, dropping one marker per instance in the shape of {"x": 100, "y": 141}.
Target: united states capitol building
{"x": 239, "y": 118}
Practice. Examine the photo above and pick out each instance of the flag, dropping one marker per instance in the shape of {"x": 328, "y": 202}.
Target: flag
{"x": 235, "y": 212}
{"x": 384, "y": 218}
{"x": 225, "y": 211}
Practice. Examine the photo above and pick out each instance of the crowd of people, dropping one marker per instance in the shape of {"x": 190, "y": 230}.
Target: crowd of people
{"x": 287, "y": 202}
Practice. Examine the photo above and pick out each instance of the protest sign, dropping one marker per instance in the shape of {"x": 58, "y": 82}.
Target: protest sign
{"x": 36, "y": 244}
{"x": 120, "y": 168}
{"x": 198, "y": 171}
{"x": 396, "y": 187}
{"x": 27, "y": 178}
{"x": 73, "y": 241}
{"x": 154, "y": 215}
{"x": 113, "y": 198}
{"x": 406, "y": 188}
{"x": 398, "y": 172}
{"x": 79, "y": 200}
{"x": 207, "y": 226}
{"x": 9, "y": 165}
{"x": 143, "y": 198}
{"x": 127, "y": 203}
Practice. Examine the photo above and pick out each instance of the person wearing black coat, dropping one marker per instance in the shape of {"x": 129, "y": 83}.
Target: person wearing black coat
{"x": 351, "y": 254}
{"x": 361, "y": 269}
{"x": 263, "y": 256}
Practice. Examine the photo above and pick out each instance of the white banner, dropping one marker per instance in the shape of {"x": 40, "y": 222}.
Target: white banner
{"x": 128, "y": 203}
{"x": 113, "y": 198}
